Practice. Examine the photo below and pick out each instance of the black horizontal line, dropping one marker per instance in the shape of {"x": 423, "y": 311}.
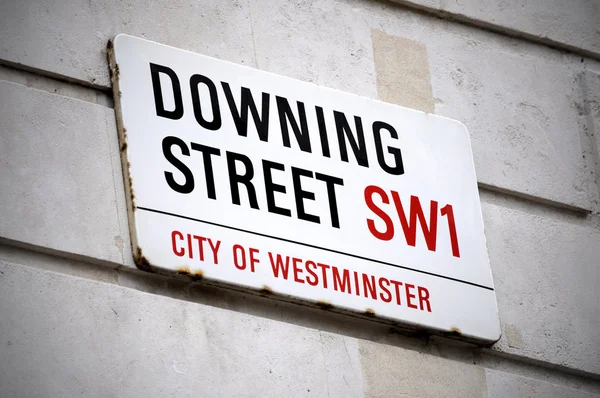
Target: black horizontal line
{"x": 312, "y": 246}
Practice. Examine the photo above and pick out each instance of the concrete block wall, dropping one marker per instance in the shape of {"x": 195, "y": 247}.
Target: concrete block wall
{"x": 564, "y": 25}
{"x": 77, "y": 318}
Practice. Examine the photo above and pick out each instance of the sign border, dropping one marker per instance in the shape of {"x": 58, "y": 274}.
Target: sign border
{"x": 144, "y": 264}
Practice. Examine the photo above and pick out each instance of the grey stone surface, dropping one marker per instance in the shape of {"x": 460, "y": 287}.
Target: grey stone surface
{"x": 54, "y": 263}
{"x": 507, "y": 367}
{"x": 589, "y": 109}
{"x": 343, "y": 365}
{"x": 545, "y": 269}
{"x": 322, "y": 42}
{"x": 502, "y": 385}
{"x": 55, "y": 86}
{"x": 69, "y": 38}
{"x": 573, "y": 23}
{"x": 57, "y": 185}
{"x": 396, "y": 372}
{"x": 66, "y": 336}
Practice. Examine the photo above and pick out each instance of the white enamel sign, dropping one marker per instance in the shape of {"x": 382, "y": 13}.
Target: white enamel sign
{"x": 251, "y": 179}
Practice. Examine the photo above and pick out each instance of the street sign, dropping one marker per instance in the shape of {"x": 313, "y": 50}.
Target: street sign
{"x": 247, "y": 178}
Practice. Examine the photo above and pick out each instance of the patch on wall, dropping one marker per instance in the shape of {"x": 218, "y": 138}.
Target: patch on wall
{"x": 402, "y": 69}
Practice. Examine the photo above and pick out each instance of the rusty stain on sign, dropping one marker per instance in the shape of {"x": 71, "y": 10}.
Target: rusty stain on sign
{"x": 324, "y": 305}
{"x": 141, "y": 261}
{"x": 454, "y": 331}
{"x": 124, "y": 140}
{"x": 266, "y": 290}
{"x": 197, "y": 275}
